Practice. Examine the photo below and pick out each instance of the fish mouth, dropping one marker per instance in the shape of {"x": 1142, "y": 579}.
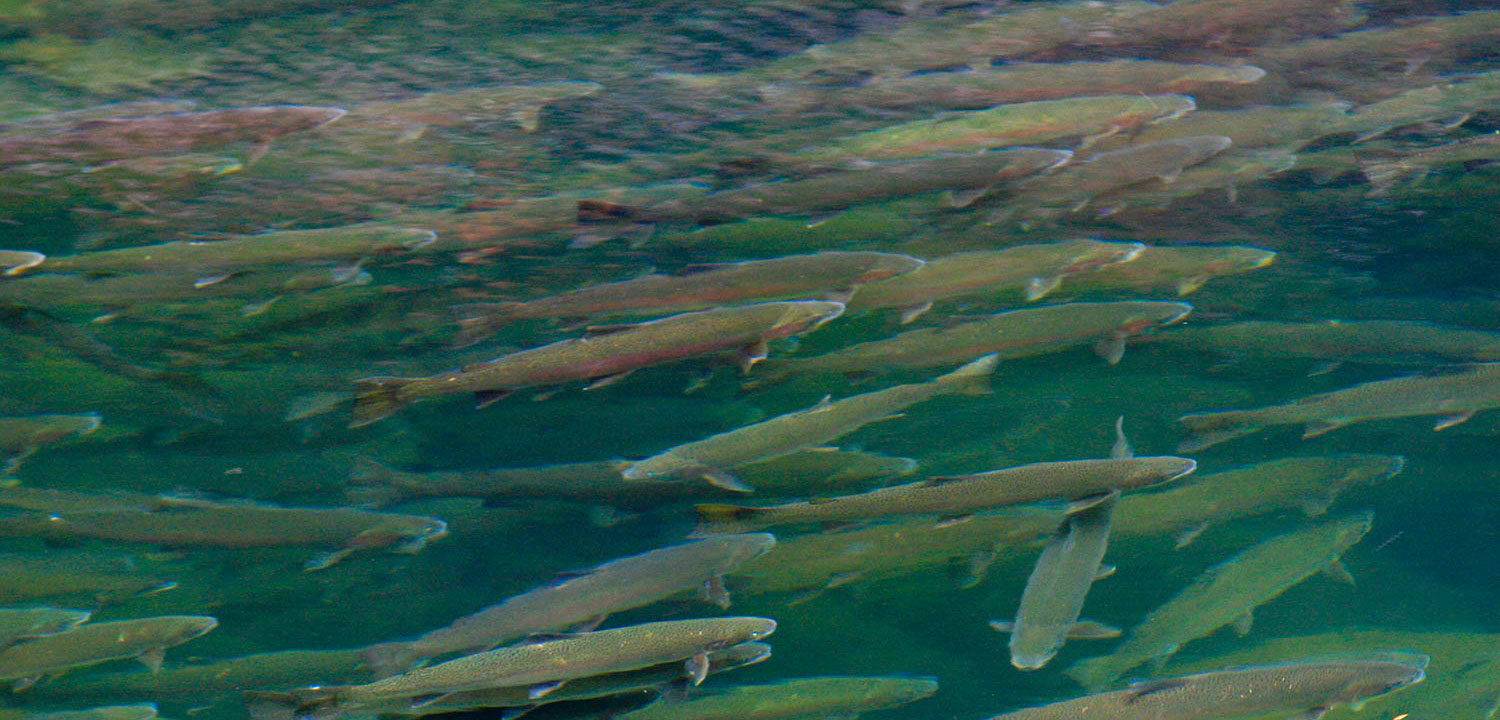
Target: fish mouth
{"x": 1177, "y": 316}
{"x": 1189, "y": 466}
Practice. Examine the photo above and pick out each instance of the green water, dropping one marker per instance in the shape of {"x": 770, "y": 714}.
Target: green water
{"x": 477, "y": 171}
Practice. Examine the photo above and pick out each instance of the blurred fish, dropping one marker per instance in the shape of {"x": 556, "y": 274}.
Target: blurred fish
{"x": 1308, "y": 688}
{"x": 201, "y": 683}
{"x": 833, "y": 274}
{"x": 600, "y": 482}
{"x": 1082, "y": 482}
{"x": 1449, "y": 104}
{"x": 1416, "y": 48}
{"x": 94, "y": 141}
{"x": 145, "y": 639}
{"x": 183, "y": 521}
{"x": 1308, "y": 484}
{"x": 143, "y": 711}
{"x": 543, "y": 665}
{"x": 1014, "y": 334}
{"x": 713, "y": 457}
{"x": 1373, "y": 341}
{"x": 844, "y": 697}
{"x": 1386, "y": 174}
{"x": 56, "y": 501}
{"x": 1227, "y": 172}
{"x": 393, "y": 120}
{"x": 1006, "y": 125}
{"x": 22, "y": 436}
{"x": 1033, "y": 269}
{"x": 604, "y": 355}
{"x": 1181, "y": 268}
{"x": 1225, "y": 26}
{"x": 1287, "y": 127}
{"x": 582, "y": 598}
{"x": 84, "y": 577}
{"x": 967, "y": 175}
{"x": 19, "y": 624}
{"x": 984, "y": 87}
{"x": 1227, "y": 594}
{"x": 1452, "y": 392}
{"x": 1071, "y": 560}
{"x": 214, "y": 258}
{"x": 116, "y": 292}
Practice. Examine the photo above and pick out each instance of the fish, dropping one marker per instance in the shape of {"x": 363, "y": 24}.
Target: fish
{"x": 393, "y": 120}
{"x": 1227, "y": 594}
{"x": 145, "y": 639}
{"x": 1009, "y": 335}
{"x": 203, "y": 682}
{"x": 1308, "y": 484}
{"x": 1183, "y": 269}
{"x": 1308, "y": 687}
{"x": 969, "y": 175}
{"x": 1081, "y": 482}
{"x": 142, "y": 711}
{"x": 713, "y": 457}
{"x": 1004, "y": 126}
{"x": 844, "y": 696}
{"x": 212, "y": 258}
{"x": 832, "y": 274}
{"x": 1029, "y": 270}
{"x": 22, "y": 436}
{"x": 76, "y": 576}
{"x": 603, "y": 355}
{"x": 1454, "y": 393}
{"x": 187, "y": 521}
{"x": 18, "y": 624}
{"x": 542, "y": 665}
{"x": 600, "y": 482}
{"x": 1289, "y": 127}
{"x": 1071, "y": 560}
{"x": 583, "y": 598}
{"x": 1224, "y": 25}
{"x": 99, "y": 140}
{"x": 984, "y": 87}
{"x": 1370, "y": 341}
{"x": 1384, "y": 175}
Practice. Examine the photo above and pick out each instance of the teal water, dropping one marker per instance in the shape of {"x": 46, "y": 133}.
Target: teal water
{"x": 486, "y": 122}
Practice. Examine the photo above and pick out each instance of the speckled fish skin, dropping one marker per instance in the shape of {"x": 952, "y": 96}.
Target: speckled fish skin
{"x": 94, "y": 643}
{"x": 778, "y": 278}
{"x": 959, "y": 494}
{"x": 603, "y": 355}
{"x": 1303, "y": 686}
{"x": 1226, "y": 593}
{"x": 793, "y": 698}
{"x": 531, "y": 664}
{"x": 1181, "y": 268}
{"x": 1015, "y": 334}
{"x": 614, "y": 586}
{"x": 1014, "y": 270}
{"x": 1453, "y": 392}
{"x": 795, "y": 431}
{"x": 1055, "y": 591}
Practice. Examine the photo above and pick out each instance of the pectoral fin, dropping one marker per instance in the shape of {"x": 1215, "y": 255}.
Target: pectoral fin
{"x": 1191, "y": 284}
{"x": 1078, "y": 505}
{"x": 1187, "y": 536}
{"x": 152, "y": 658}
{"x": 1448, "y": 421}
{"x": 910, "y": 313}
{"x": 543, "y": 689}
{"x": 1242, "y": 623}
{"x": 1038, "y": 287}
{"x": 1093, "y": 630}
{"x": 722, "y": 479}
{"x": 752, "y": 354}
{"x": 715, "y": 592}
{"x": 486, "y": 398}
{"x": 1111, "y": 348}
{"x": 697, "y": 668}
{"x": 1105, "y": 571}
{"x": 1320, "y": 427}
{"x": 1336, "y": 570}
{"x": 607, "y": 380}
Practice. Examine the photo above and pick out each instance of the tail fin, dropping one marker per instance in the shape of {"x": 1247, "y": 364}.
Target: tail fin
{"x": 302, "y": 704}
{"x": 1094, "y": 674}
{"x": 1212, "y": 428}
{"x": 376, "y": 398}
{"x": 719, "y": 519}
{"x": 971, "y": 379}
{"x": 387, "y": 659}
{"x": 477, "y": 321}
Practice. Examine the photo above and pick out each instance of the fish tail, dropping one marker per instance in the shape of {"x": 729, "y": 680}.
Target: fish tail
{"x": 477, "y": 321}
{"x": 971, "y": 379}
{"x": 1094, "y": 674}
{"x": 387, "y": 659}
{"x": 1212, "y": 428}
{"x": 606, "y": 211}
{"x": 301, "y": 704}
{"x": 720, "y": 518}
{"x": 376, "y": 398}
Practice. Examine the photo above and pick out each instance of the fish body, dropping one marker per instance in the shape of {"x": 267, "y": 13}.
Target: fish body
{"x": 1009, "y": 335}
{"x": 247, "y": 251}
{"x": 18, "y": 624}
{"x": 1453, "y": 392}
{"x": 959, "y": 495}
{"x": 604, "y": 354}
{"x": 791, "y": 277}
{"x": 1381, "y": 341}
{"x": 93, "y": 643}
{"x": 1006, "y": 125}
{"x": 1055, "y": 591}
{"x": 580, "y": 598}
{"x": 142, "y": 711}
{"x": 1284, "y": 127}
{"x": 540, "y": 664}
{"x": 1307, "y": 687}
{"x": 1308, "y": 484}
{"x": 840, "y": 189}
{"x": 83, "y": 577}
{"x": 794, "y": 698}
{"x": 1180, "y": 268}
{"x": 1074, "y": 187}
{"x": 1028, "y": 270}
{"x": 21, "y": 436}
{"x": 711, "y": 457}
{"x": 1227, "y": 593}
{"x": 202, "y": 682}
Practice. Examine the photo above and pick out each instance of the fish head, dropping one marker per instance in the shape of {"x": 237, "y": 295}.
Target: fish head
{"x": 744, "y": 547}
{"x": 1160, "y": 470}
{"x": 182, "y": 628}
{"x": 1238, "y": 259}
{"x": 1350, "y": 529}
{"x": 804, "y": 316}
{"x": 1154, "y": 315}
{"x": 1170, "y": 107}
{"x": 731, "y": 631}
{"x": 417, "y": 536}
{"x": 665, "y": 466}
{"x": 1383, "y": 676}
{"x": 887, "y": 265}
